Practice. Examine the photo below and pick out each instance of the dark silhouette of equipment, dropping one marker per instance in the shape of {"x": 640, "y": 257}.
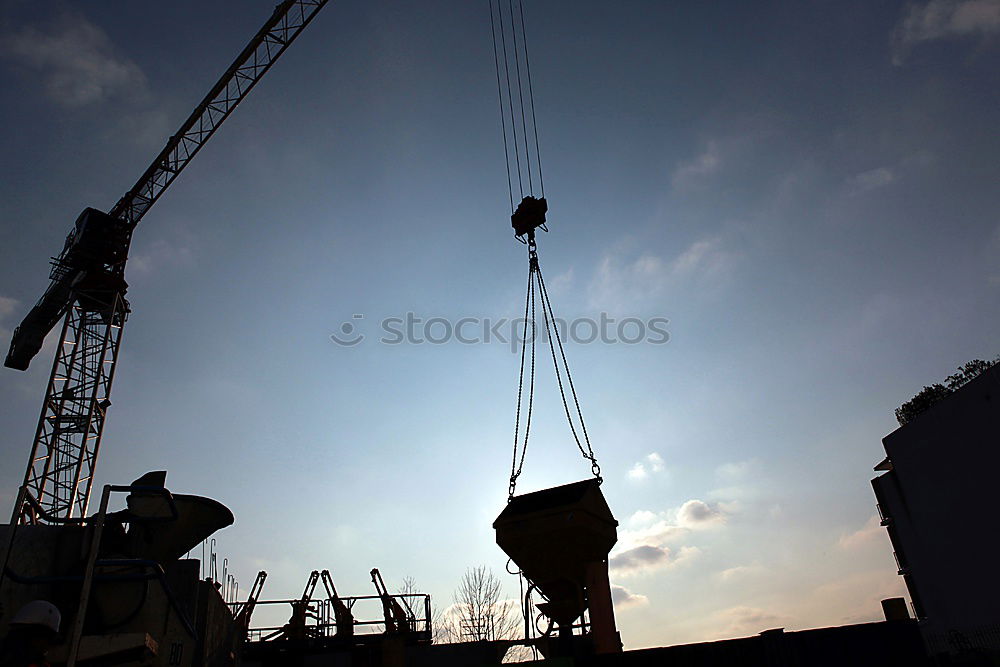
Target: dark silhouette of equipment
{"x": 397, "y": 621}
{"x": 87, "y": 289}
{"x": 560, "y": 539}
{"x": 245, "y": 612}
{"x": 296, "y": 628}
{"x": 342, "y": 615}
{"x": 529, "y": 216}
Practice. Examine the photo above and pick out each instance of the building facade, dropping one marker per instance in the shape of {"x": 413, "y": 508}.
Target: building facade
{"x": 939, "y": 499}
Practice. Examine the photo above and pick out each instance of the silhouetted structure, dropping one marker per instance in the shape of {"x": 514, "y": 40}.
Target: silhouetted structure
{"x": 124, "y": 590}
{"x": 87, "y": 291}
{"x": 937, "y": 499}
{"x": 560, "y": 539}
{"x": 861, "y": 645}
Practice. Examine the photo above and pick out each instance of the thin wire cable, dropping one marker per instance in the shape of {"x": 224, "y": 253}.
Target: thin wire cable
{"x": 503, "y": 120}
{"x": 546, "y": 311}
{"x": 531, "y": 98}
{"x": 520, "y": 95}
{"x": 510, "y": 99}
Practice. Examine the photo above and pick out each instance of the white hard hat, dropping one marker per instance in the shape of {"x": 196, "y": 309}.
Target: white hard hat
{"x": 38, "y": 612}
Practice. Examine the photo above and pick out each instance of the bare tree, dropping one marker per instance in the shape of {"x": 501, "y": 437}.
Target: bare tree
{"x": 409, "y": 587}
{"x": 481, "y": 611}
{"x": 414, "y": 607}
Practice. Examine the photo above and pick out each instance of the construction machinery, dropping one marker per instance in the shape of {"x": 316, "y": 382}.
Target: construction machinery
{"x": 397, "y": 620}
{"x": 87, "y": 290}
{"x": 297, "y": 628}
{"x": 342, "y": 615}
{"x": 348, "y": 630}
{"x": 126, "y": 593}
{"x": 244, "y": 612}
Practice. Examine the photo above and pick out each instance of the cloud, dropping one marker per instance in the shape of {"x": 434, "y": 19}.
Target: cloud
{"x": 645, "y": 557}
{"x": 650, "y": 540}
{"x": 867, "y": 534}
{"x": 696, "y": 514}
{"x": 158, "y": 254}
{"x": 685, "y": 556}
{"x": 660, "y": 532}
{"x": 652, "y": 463}
{"x": 642, "y": 518}
{"x": 621, "y": 280}
{"x": 943, "y": 19}
{"x": 637, "y": 471}
{"x": 734, "y": 471}
{"x": 708, "y": 162}
{"x": 74, "y": 60}
{"x": 623, "y": 598}
{"x": 663, "y": 529}
{"x": 7, "y": 306}
{"x": 705, "y": 255}
{"x": 870, "y": 180}
{"x": 147, "y": 128}
{"x": 857, "y": 596}
{"x": 561, "y": 282}
{"x": 740, "y": 572}
{"x": 649, "y": 557}
{"x": 742, "y": 620}
{"x": 736, "y": 481}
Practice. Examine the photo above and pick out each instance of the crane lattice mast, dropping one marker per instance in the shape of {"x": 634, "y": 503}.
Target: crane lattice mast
{"x": 87, "y": 290}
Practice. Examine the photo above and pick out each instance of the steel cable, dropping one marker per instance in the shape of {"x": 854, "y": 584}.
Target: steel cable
{"x": 531, "y": 98}
{"x": 510, "y": 98}
{"x": 520, "y": 92}
{"x": 503, "y": 120}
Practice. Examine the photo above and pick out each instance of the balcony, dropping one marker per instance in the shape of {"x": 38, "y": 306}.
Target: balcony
{"x": 883, "y": 515}
{"x": 902, "y": 567}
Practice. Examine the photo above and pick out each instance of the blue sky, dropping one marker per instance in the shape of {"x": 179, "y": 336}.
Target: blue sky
{"x": 807, "y": 191}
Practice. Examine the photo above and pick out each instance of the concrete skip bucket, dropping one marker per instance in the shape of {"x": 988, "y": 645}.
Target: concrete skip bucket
{"x": 560, "y": 539}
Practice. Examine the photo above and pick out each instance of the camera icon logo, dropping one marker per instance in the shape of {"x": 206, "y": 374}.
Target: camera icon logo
{"x": 349, "y": 336}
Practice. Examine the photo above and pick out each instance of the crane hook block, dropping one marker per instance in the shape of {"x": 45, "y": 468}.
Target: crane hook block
{"x": 529, "y": 215}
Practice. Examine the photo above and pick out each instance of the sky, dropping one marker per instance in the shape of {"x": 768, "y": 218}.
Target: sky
{"x": 806, "y": 192}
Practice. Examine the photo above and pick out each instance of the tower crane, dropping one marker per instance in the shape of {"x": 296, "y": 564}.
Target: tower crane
{"x": 87, "y": 291}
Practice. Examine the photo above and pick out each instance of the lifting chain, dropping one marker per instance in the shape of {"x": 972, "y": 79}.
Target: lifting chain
{"x": 552, "y": 334}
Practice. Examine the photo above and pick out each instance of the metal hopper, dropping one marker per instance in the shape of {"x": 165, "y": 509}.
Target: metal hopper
{"x": 560, "y": 539}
